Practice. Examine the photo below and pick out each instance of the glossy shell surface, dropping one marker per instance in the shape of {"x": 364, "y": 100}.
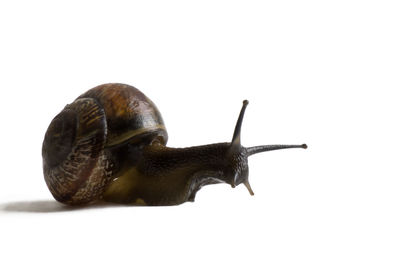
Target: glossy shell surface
{"x": 129, "y": 113}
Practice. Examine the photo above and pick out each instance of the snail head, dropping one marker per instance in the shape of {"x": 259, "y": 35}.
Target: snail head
{"x": 238, "y": 154}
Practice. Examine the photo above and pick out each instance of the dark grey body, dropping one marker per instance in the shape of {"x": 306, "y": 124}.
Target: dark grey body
{"x": 170, "y": 176}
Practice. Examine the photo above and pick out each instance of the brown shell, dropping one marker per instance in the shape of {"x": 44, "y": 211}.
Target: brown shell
{"x": 129, "y": 113}
{"x": 78, "y": 160}
{"x": 73, "y": 153}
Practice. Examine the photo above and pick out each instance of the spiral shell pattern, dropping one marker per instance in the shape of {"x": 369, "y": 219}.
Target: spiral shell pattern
{"x": 75, "y": 166}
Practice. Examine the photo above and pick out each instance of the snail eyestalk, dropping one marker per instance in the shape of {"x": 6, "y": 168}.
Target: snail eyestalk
{"x": 258, "y": 149}
{"x": 236, "y": 135}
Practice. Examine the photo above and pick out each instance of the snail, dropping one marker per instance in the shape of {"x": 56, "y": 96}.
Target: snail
{"x": 110, "y": 145}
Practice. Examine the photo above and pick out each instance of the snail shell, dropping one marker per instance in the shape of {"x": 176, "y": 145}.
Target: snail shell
{"x": 80, "y": 148}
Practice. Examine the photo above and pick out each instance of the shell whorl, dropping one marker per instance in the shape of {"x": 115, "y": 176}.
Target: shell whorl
{"x": 76, "y": 168}
{"x": 95, "y": 138}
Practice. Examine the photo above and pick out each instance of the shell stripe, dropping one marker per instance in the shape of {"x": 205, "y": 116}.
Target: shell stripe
{"x": 73, "y": 180}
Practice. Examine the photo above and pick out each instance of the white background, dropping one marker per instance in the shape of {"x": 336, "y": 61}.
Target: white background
{"x": 325, "y": 73}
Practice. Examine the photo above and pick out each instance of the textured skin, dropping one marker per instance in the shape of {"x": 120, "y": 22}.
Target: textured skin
{"x": 171, "y": 176}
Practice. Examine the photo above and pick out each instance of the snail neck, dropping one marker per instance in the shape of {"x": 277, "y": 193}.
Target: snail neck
{"x": 186, "y": 170}
{"x": 160, "y": 175}
{"x": 204, "y": 155}
{"x": 196, "y": 160}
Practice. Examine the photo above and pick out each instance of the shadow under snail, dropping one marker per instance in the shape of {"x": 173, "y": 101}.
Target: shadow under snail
{"x": 110, "y": 144}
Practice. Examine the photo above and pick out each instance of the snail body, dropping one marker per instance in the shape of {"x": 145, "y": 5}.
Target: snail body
{"x": 110, "y": 144}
